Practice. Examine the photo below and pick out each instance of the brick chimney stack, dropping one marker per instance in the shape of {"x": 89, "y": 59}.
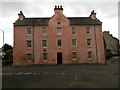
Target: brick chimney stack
{"x": 93, "y": 15}
{"x": 58, "y": 9}
{"x": 21, "y": 15}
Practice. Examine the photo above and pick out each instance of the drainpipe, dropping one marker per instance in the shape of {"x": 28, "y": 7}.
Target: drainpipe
{"x": 33, "y": 44}
{"x": 95, "y": 44}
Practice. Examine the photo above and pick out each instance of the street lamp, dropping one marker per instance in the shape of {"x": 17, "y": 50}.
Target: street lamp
{"x": 3, "y": 43}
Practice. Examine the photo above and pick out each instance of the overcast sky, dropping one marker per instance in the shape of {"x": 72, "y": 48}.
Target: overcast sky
{"x": 107, "y": 12}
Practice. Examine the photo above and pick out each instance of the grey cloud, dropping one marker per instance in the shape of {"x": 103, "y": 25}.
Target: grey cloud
{"x": 9, "y": 8}
{"x": 109, "y": 9}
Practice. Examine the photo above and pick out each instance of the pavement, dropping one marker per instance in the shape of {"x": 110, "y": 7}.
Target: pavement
{"x": 62, "y": 76}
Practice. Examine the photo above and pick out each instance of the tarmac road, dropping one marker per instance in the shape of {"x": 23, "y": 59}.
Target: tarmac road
{"x": 61, "y": 76}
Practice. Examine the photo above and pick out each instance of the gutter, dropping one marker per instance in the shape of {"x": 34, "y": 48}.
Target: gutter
{"x": 33, "y": 44}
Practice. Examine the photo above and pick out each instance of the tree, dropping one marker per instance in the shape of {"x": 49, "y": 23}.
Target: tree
{"x": 7, "y": 47}
{"x": 8, "y": 51}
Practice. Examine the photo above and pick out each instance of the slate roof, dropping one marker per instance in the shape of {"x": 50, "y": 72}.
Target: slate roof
{"x": 44, "y": 21}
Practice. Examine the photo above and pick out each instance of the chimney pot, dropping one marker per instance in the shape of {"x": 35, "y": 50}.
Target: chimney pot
{"x": 55, "y": 6}
{"x": 93, "y": 14}
{"x": 58, "y": 6}
{"x": 21, "y": 15}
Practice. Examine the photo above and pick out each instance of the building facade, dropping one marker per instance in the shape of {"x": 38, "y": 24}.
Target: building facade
{"x": 58, "y": 39}
{"x": 111, "y": 44}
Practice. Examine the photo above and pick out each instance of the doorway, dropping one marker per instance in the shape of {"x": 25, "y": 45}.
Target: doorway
{"x": 59, "y": 58}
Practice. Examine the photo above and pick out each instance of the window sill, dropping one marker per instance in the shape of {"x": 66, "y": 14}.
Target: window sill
{"x": 44, "y": 34}
{"x": 29, "y": 47}
{"x": 29, "y": 61}
{"x": 74, "y": 46}
{"x": 89, "y": 46}
{"x": 90, "y": 59}
{"x": 44, "y": 47}
{"x": 29, "y": 34}
{"x": 74, "y": 59}
{"x": 59, "y": 34}
{"x": 59, "y": 47}
{"x": 45, "y": 60}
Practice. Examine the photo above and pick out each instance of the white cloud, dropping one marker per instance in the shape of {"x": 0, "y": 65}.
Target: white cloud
{"x": 59, "y": 0}
{"x": 107, "y": 12}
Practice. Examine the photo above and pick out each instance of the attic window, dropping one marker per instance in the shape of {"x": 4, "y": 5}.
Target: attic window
{"x": 58, "y": 22}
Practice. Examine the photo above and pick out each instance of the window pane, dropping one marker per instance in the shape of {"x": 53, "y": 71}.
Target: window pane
{"x": 28, "y": 43}
{"x": 44, "y": 56}
{"x": 73, "y": 42}
{"x": 89, "y": 54}
{"x": 44, "y": 43}
{"x": 59, "y": 31}
{"x": 44, "y": 31}
{"x": 87, "y": 30}
{"x": 88, "y": 41}
{"x": 29, "y": 31}
{"x": 29, "y": 56}
{"x": 59, "y": 42}
{"x": 74, "y": 55}
{"x": 73, "y": 30}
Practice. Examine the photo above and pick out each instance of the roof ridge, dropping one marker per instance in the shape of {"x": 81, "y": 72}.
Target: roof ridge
{"x": 37, "y": 17}
{"x": 50, "y": 17}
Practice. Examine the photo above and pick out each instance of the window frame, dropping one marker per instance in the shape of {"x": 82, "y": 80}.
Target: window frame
{"x": 45, "y": 56}
{"x": 74, "y": 55}
{"x": 89, "y": 55}
{"x": 88, "y": 31}
{"x": 74, "y": 43}
{"x": 44, "y": 43}
{"x": 89, "y": 42}
{"x": 59, "y": 29}
{"x": 29, "y": 44}
{"x": 44, "y": 29}
{"x": 29, "y": 57}
{"x": 59, "y": 43}
{"x": 29, "y": 30}
{"x": 73, "y": 29}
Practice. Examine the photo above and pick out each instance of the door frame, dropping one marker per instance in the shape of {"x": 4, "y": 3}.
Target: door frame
{"x": 59, "y": 61}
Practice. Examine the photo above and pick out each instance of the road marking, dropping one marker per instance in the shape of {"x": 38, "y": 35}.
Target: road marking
{"x": 74, "y": 80}
{"x": 34, "y": 73}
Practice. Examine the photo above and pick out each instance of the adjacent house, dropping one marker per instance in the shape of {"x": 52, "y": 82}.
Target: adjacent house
{"x": 58, "y": 39}
{"x": 111, "y": 44}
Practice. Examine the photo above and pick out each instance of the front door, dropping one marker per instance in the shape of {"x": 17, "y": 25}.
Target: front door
{"x": 59, "y": 58}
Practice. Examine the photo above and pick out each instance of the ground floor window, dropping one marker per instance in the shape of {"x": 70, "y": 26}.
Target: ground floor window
{"x": 74, "y": 55}
{"x": 89, "y": 54}
{"x": 29, "y": 56}
{"x": 45, "y": 56}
